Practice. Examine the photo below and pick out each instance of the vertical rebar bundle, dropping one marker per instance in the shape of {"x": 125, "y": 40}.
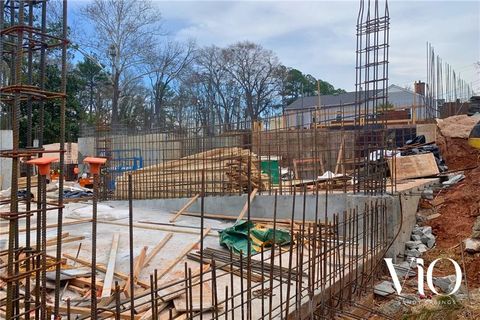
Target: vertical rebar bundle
{"x": 371, "y": 87}
{"x": 24, "y": 36}
{"x": 443, "y": 85}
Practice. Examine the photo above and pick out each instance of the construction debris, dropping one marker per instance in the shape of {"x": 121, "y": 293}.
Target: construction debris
{"x": 330, "y": 257}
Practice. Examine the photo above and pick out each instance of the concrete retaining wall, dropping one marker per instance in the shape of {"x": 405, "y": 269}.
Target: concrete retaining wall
{"x": 401, "y": 209}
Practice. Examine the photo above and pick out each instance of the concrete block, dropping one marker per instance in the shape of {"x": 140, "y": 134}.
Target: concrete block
{"x": 412, "y": 253}
{"x": 427, "y": 230}
{"x": 416, "y": 237}
{"x": 412, "y": 244}
{"x": 417, "y": 231}
{"x": 384, "y": 288}
{"x": 422, "y": 248}
{"x": 404, "y": 269}
{"x": 428, "y": 237}
{"x": 472, "y": 245}
{"x": 445, "y": 284}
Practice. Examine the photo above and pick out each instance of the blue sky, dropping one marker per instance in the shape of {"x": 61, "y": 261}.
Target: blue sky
{"x": 318, "y": 37}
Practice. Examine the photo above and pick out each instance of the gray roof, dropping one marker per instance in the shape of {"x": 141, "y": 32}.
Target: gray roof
{"x": 396, "y": 95}
{"x": 326, "y": 101}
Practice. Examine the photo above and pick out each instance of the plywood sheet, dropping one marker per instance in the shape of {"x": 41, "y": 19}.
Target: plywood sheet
{"x": 415, "y": 166}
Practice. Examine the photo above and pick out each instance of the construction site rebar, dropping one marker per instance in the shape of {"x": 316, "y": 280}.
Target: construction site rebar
{"x": 24, "y": 35}
{"x": 330, "y": 260}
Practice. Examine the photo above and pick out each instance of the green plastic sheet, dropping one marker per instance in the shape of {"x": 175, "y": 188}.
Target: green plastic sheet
{"x": 236, "y": 237}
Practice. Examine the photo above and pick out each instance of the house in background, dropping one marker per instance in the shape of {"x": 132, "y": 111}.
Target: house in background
{"x": 404, "y": 106}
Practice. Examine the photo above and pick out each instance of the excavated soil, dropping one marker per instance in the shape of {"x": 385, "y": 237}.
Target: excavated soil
{"x": 457, "y": 154}
{"x": 459, "y": 204}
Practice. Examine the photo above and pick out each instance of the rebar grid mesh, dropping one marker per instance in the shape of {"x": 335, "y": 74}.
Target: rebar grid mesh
{"x": 287, "y": 152}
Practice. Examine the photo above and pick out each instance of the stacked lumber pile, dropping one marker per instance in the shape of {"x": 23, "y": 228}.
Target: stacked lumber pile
{"x": 225, "y": 170}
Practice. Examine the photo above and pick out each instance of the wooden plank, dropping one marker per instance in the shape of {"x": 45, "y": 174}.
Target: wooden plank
{"x": 245, "y": 207}
{"x": 85, "y": 282}
{"x": 340, "y": 155}
{"x": 165, "y": 314}
{"x": 185, "y": 207}
{"x": 415, "y": 166}
{"x": 185, "y": 251}
{"x": 147, "y": 315}
{"x": 180, "y": 302}
{"x": 224, "y": 170}
{"x": 103, "y": 269}
{"x": 172, "y": 288}
{"x": 108, "y": 280}
{"x": 136, "y": 270}
{"x": 157, "y": 248}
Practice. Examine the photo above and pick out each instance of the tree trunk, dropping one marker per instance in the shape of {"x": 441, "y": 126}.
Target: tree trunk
{"x": 91, "y": 98}
{"x": 116, "y": 95}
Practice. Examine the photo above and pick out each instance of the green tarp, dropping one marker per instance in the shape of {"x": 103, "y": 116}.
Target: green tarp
{"x": 236, "y": 237}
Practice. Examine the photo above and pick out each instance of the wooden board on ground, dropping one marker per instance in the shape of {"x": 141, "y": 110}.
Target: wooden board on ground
{"x": 102, "y": 268}
{"x": 171, "y": 291}
{"x": 139, "y": 264}
{"x": 157, "y": 248}
{"x": 180, "y": 302}
{"x": 185, "y": 207}
{"x": 108, "y": 280}
{"x": 185, "y": 251}
{"x": 245, "y": 207}
{"x": 415, "y": 166}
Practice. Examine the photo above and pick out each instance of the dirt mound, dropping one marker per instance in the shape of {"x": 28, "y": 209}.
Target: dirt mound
{"x": 457, "y": 126}
{"x": 456, "y": 152}
{"x": 458, "y": 205}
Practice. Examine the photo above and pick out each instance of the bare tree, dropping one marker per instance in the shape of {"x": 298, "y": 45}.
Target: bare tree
{"x": 226, "y": 91}
{"x": 166, "y": 67}
{"x": 125, "y": 32}
{"x": 258, "y": 72}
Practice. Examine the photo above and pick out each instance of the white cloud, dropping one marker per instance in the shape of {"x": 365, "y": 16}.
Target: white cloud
{"x": 318, "y": 37}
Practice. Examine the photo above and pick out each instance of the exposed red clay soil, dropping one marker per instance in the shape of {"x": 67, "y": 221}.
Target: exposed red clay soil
{"x": 459, "y": 205}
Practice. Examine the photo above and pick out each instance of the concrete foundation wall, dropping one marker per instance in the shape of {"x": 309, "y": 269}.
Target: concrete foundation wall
{"x": 6, "y": 142}
{"x": 401, "y": 209}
